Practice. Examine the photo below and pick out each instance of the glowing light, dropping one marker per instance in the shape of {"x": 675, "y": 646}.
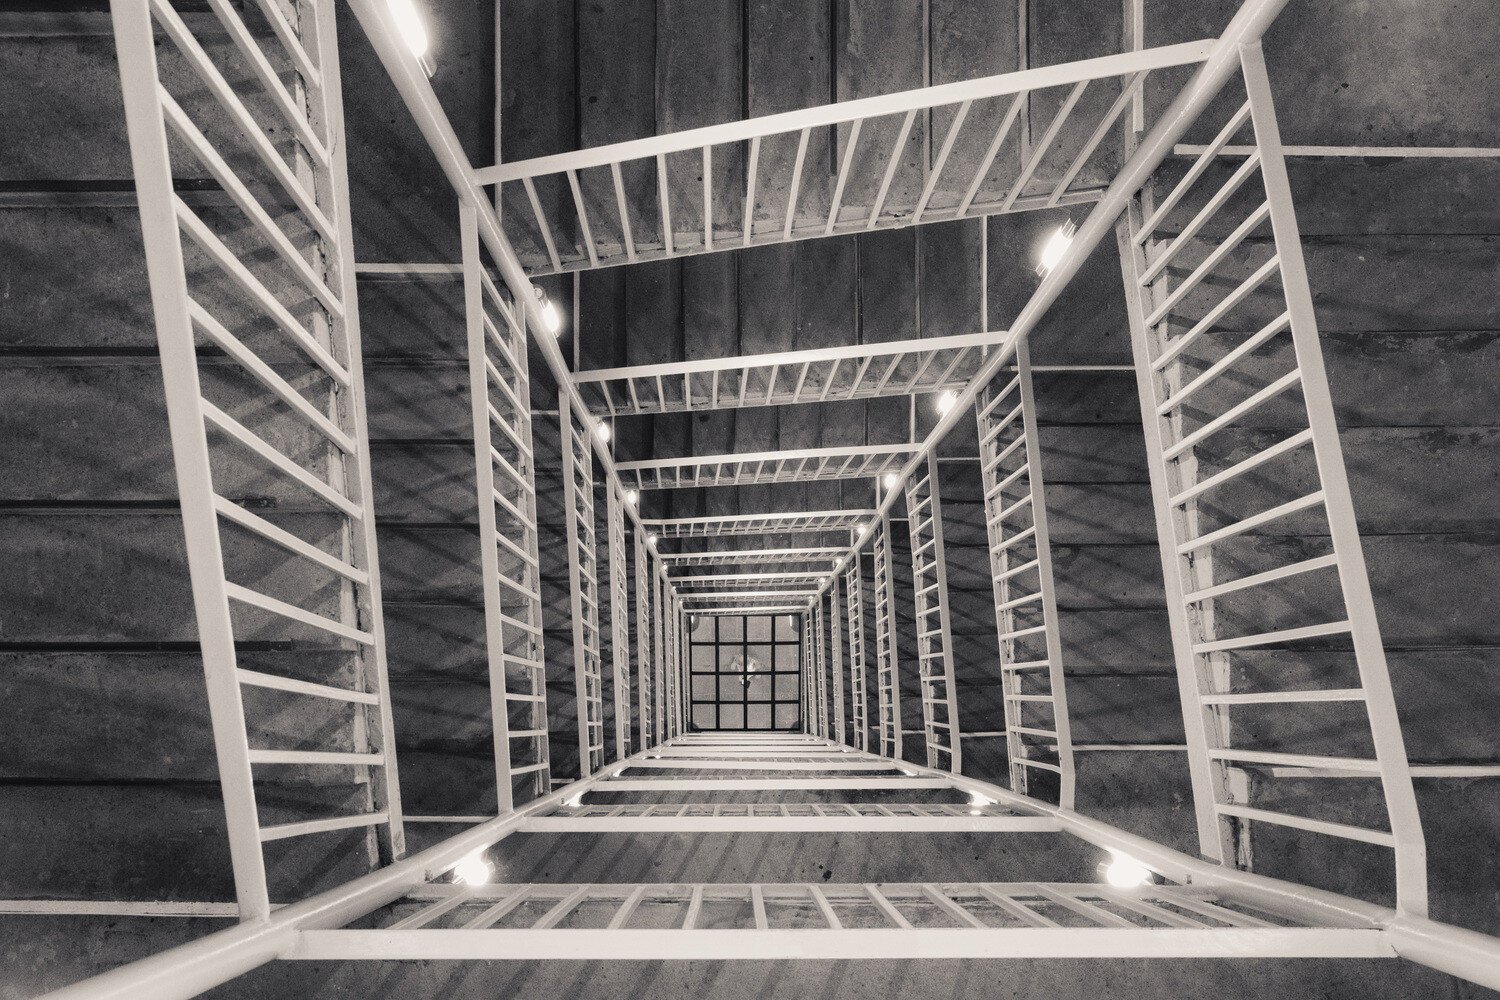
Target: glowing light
{"x": 1125, "y": 872}
{"x": 1057, "y": 244}
{"x": 650, "y": 539}
{"x": 890, "y": 480}
{"x": 946, "y": 401}
{"x": 602, "y": 432}
{"x": 409, "y": 24}
{"x": 551, "y": 318}
{"x": 631, "y": 496}
{"x": 473, "y": 870}
{"x": 864, "y": 529}
{"x": 980, "y": 800}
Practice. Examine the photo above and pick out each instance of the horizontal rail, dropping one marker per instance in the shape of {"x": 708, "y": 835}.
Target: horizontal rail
{"x": 847, "y": 111}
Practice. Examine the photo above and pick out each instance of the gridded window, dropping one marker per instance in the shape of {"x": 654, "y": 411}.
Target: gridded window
{"x": 746, "y": 672}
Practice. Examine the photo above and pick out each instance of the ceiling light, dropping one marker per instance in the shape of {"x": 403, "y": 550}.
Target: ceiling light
{"x": 890, "y": 480}
{"x": 474, "y": 869}
{"x": 631, "y": 496}
{"x": 602, "y": 432}
{"x": 1057, "y": 244}
{"x": 409, "y": 24}
{"x": 946, "y": 401}
{"x": 551, "y": 318}
{"x": 1125, "y": 872}
{"x": 650, "y": 539}
{"x": 412, "y": 31}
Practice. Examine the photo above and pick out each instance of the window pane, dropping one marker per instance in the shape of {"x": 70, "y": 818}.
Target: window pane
{"x": 788, "y": 659}
{"x": 703, "y": 659}
{"x": 731, "y": 687}
{"x": 703, "y": 628}
{"x": 760, "y": 687}
{"x": 731, "y": 717}
{"x": 759, "y": 717}
{"x": 758, "y": 628}
{"x": 703, "y": 688}
{"x": 759, "y": 660}
{"x": 703, "y": 717}
{"x": 786, "y": 716}
{"x": 731, "y": 628}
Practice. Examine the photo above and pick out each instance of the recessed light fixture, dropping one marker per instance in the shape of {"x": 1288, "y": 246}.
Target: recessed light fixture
{"x": 1125, "y": 872}
{"x": 1057, "y": 244}
{"x": 551, "y": 318}
{"x": 473, "y": 870}
{"x": 413, "y": 31}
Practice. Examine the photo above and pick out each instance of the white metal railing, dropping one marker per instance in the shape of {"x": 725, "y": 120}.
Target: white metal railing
{"x": 278, "y": 299}
{"x": 752, "y": 557}
{"x": 805, "y": 465}
{"x": 820, "y": 666}
{"x": 510, "y": 565}
{"x": 801, "y": 522}
{"x": 619, "y": 616}
{"x": 1037, "y": 730}
{"x": 1195, "y": 908}
{"x": 620, "y": 204}
{"x": 1203, "y": 385}
{"x": 859, "y": 703}
{"x": 744, "y": 595}
{"x": 836, "y": 663}
{"x": 767, "y": 608}
{"x": 583, "y": 586}
{"x": 887, "y": 662}
{"x": 819, "y": 375}
{"x": 644, "y": 643}
{"x": 723, "y": 581}
{"x": 661, "y": 654}
{"x": 893, "y": 920}
{"x": 934, "y": 632}
{"x": 809, "y": 686}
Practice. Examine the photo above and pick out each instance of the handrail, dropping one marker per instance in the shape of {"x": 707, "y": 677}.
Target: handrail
{"x": 1247, "y": 25}
{"x": 839, "y": 113}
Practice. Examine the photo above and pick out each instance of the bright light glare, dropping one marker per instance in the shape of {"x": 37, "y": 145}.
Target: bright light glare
{"x": 946, "y": 401}
{"x": 1057, "y": 244}
{"x": 1125, "y": 872}
{"x": 631, "y": 496}
{"x": 890, "y": 480}
{"x": 550, "y": 316}
{"x": 650, "y": 539}
{"x": 409, "y": 24}
{"x": 473, "y": 870}
{"x": 602, "y": 432}
{"x": 980, "y": 800}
